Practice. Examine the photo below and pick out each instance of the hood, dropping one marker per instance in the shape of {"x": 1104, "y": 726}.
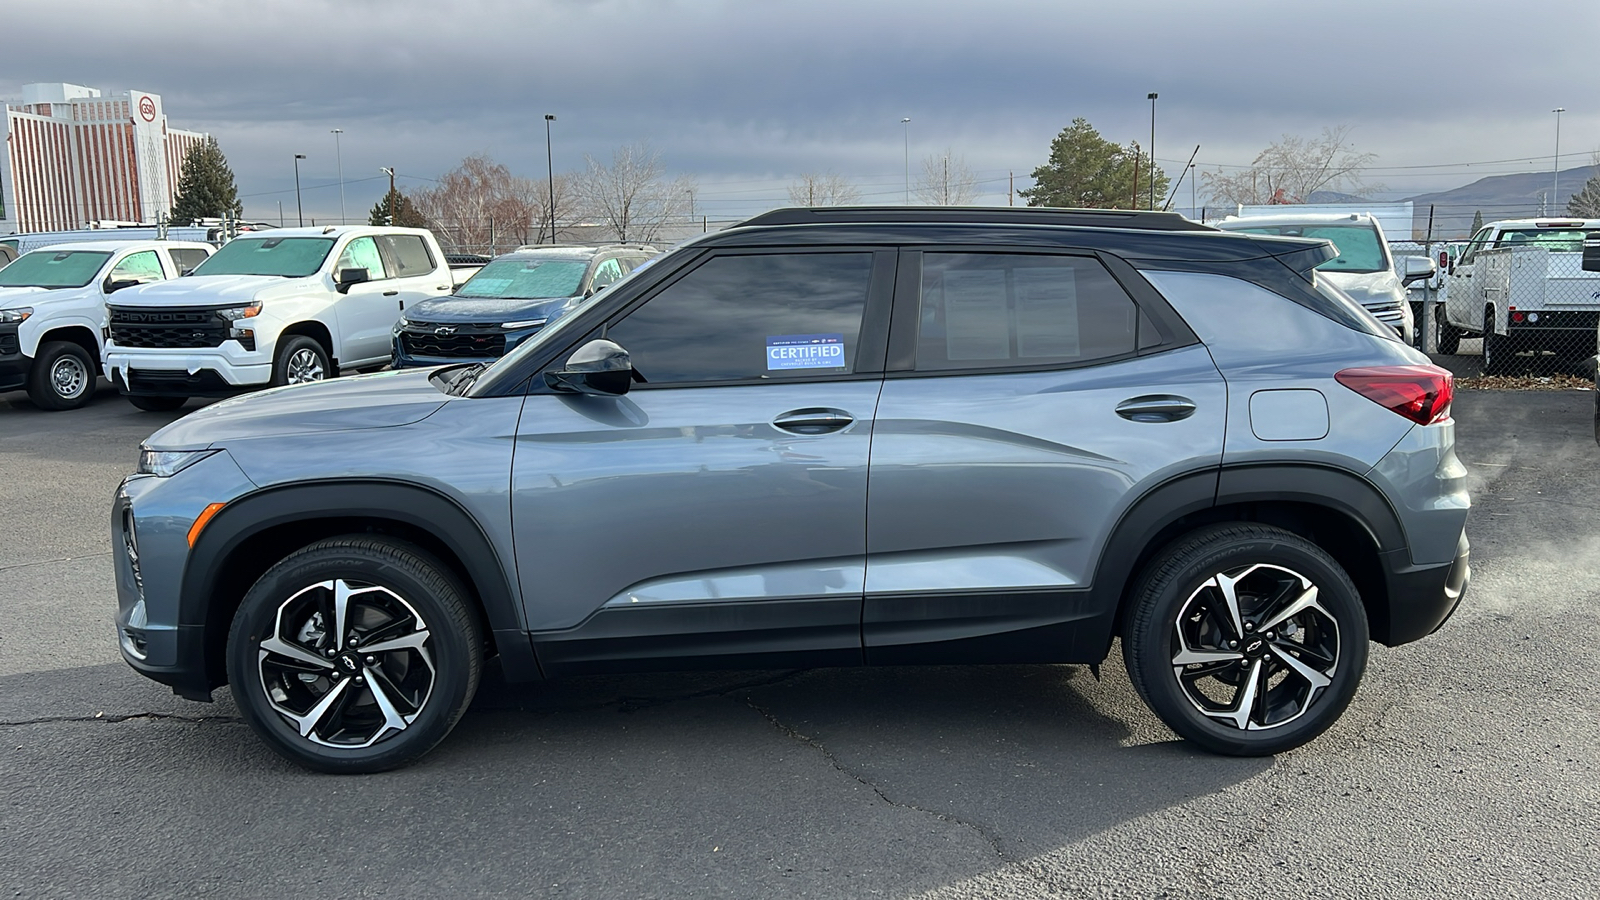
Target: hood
{"x": 381, "y": 400}
{"x": 484, "y": 310}
{"x": 27, "y": 296}
{"x": 214, "y": 290}
{"x": 1366, "y": 288}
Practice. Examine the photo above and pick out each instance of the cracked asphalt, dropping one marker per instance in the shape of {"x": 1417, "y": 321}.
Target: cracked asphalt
{"x": 1467, "y": 765}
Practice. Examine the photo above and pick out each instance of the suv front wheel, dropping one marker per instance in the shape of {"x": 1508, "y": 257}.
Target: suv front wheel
{"x": 1246, "y": 639}
{"x": 354, "y": 654}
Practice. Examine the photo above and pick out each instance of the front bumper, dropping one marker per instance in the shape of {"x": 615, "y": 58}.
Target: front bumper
{"x": 1421, "y": 598}
{"x": 13, "y": 365}
{"x": 185, "y": 373}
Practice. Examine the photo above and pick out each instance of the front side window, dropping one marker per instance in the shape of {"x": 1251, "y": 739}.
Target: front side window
{"x": 752, "y": 317}
{"x": 1010, "y": 310}
{"x": 295, "y": 257}
{"x": 361, "y": 253}
{"x": 142, "y": 267}
{"x": 1479, "y": 241}
{"x": 54, "y": 269}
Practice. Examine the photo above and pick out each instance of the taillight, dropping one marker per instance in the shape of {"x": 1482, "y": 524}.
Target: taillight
{"x": 1420, "y": 393}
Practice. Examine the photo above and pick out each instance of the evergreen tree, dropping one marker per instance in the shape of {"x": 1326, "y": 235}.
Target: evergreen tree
{"x": 1085, "y": 170}
{"x": 205, "y": 186}
{"x": 1477, "y": 222}
{"x": 405, "y": 213}
{"x": 1586, "y": 203}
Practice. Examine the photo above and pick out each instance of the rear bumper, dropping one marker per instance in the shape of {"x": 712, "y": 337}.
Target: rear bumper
{"x": 1421, "y": 598}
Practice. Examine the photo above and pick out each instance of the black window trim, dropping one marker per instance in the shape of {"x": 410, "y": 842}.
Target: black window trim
{"x": 874, "y": 321}
{"x": 903, "y": 338}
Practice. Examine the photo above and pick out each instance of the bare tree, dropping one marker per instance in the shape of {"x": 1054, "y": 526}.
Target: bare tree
{"x": 480, "y": 206}
{"x": 945, "y": 181}
{"x": 630, "y": 195}
{"x": 1291, "y": 169}
{"x": 826, "y": 189}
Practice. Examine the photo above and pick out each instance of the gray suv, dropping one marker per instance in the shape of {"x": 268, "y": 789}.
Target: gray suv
{"x": 827, "y": 438}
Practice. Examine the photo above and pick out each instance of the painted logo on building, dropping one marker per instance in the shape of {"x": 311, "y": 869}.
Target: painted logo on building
{"x": 147, "y": 109}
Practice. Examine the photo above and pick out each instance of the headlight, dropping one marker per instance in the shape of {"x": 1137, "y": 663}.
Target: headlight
{"x": 235, "y": 313}
{"x": 13, "y": 316}
{"x": 166, "y": 463}
{"x": 529, "y": 323}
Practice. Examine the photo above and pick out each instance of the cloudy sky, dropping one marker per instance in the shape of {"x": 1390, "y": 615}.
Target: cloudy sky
{"x": 744, "y": 96}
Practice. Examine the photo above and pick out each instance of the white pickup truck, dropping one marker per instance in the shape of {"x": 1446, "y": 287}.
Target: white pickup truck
{"x": 272, "y": 308}
{"x": 53, "y": 311}
{"x": 1520, "y": 285}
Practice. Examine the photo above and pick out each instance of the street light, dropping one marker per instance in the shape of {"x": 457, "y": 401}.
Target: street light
{"x": 299, "y": 210}
{"x": 1555, "y": 180}
{"x": 389, "y": 171}
{"x": 550, "y": 174}
{"x": 905, "y": 125}
{"x": 339, "y": 158}
{"x": 1152, "y": 98}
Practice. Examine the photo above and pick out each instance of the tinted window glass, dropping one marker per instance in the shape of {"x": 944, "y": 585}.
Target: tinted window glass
{"x": 738, "y": 318}
{"x": 1358, "y": 245}
{"x": 988, "y": 310}
{"x": 268, "y": 256}
{"x": 54, "y": 268}
{"x": 361, "y": 253}
{"x": 605, "y": 274}
{"x": 410, "y": 253}
{"x": 522, "y": 278}
{"x": 187, "y": 258}
{"x": 143, "y": 266}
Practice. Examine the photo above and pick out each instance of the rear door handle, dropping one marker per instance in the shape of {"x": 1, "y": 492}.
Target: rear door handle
{"x": 1156, "y": 408}
{"x": 813, "y": 420}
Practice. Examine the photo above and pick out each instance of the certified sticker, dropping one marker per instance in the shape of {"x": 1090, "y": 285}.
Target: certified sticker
{"x": 805, "y": 351}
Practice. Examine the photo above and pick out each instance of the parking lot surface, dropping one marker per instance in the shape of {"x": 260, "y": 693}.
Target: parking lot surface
{"x": 1466, "y": 766}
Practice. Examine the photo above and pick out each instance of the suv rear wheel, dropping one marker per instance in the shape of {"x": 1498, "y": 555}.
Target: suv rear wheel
{"x": 1246, "y": 639}
{"x": 354, "y": 654}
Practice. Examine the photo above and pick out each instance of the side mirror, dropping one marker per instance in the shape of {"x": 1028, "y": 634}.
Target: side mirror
{"x": 598, "y": 367}
{"x": 113, "y": 286}
{"x": 350, "y": 277}
{"x": 1417, "y": 268}
{"x": 1591, "y": 253}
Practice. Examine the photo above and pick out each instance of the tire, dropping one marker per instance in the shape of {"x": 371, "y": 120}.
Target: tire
{"x": 1202, "y": 674}
{"x": 1449, "y": 337}
{"x": 63, "y": 376}
{"x": 300, "y": 360}
{"x": 313, "y": 695}
{"x": 1496, "y": 347}
{"x": 157, "y": 404}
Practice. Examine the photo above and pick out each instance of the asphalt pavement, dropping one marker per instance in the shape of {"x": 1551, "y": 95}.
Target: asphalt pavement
{"x": 1465, "y": 767}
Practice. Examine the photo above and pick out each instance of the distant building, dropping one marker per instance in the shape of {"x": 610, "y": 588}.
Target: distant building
{"x": 74, "y": 157}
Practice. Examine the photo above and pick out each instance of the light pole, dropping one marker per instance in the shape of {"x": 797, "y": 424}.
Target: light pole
{"x": 550, "y": 174}
{"x": 389, "y": 171}
{"x": 339, "y": 159}
{"x": 1193, "y": 207}
{"x": 1152, "y": 98}
{"x": 299, "y": 211}
{"x": 905, "y": 125}
{"x": 1555, "y": 179}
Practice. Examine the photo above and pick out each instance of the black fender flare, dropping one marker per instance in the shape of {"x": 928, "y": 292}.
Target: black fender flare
{"x": 422, "y": 508}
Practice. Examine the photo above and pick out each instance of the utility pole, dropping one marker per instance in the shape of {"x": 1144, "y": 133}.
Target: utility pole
{"x": 1011, "y": 192}
{"x": 905, "y": 127}
{"x": 1152, "y": 98}
{"x": 550, "y": 174}
{"x": 1555, "y": 178}
{"x": 339, "y": 159}
{"x": 947, "y": 180}
{"x": 300, "y": 211}
{"x": 389, "y": 171}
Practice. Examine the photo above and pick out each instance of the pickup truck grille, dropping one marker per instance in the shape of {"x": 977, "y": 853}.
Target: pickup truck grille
{"x": 458, "y": 341}
{"x": 167, "y": 329}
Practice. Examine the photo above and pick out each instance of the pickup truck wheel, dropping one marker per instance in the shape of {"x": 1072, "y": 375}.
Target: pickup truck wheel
{"x": 63, "y": 376}
{"x": 354, "y": 654}
{"x": 1246, "y": 639}
{"x": 158, "y": 404}
{"x": 301, "y": 360}
{"x": 1496, "y": 347}
{"x": 1449, "y": 337}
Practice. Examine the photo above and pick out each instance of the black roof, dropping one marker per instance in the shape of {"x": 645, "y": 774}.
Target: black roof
{"x": 979, "y": 215}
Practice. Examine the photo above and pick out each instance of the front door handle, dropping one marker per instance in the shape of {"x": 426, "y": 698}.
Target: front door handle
{"x": 391, "y": 293}
{"x": 813, "y": 420}
{"x": 1156, "y": 408}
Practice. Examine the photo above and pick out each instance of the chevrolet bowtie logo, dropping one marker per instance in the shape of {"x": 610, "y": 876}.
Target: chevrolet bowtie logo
{"x": 445, "y": 330}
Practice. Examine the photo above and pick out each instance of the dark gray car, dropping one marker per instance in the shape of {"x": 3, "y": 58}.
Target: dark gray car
{"x": 828, "y": 438}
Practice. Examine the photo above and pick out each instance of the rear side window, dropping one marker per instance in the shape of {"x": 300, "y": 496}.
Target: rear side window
{"x": 752, "y": 317}
{"x": 186, "y": 258}
{"x": 1012, "y": 310}
{"x": 410, "y": 254}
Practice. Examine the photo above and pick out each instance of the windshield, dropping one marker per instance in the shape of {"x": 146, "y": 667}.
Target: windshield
{"x": 509, "y": 278}
{"x": 54, "y": 268}
{"x": 1552, "y": 239}
{"x": 1358, "y": 245}
{"x": 293, "y": 257}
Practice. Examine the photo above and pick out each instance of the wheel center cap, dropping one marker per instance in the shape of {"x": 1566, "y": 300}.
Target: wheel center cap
{"x": 1255, "y": 648}
{"x": 349, "y": 663}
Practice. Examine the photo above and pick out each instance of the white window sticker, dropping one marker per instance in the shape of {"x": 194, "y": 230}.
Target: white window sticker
{"x": 805, "y": 351}
{"x": 976, "y": 325}
{"x": 1047, "y": 312}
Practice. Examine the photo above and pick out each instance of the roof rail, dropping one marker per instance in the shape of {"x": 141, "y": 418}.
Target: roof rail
{"x": 979, "y": 215}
